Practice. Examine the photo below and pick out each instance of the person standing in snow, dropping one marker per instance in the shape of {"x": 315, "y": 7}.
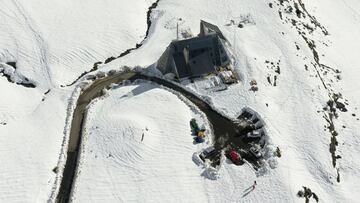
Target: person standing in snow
{"x": 254, "y": 185}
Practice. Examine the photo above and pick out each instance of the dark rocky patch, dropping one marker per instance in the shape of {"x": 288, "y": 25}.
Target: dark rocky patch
{"x": 269, "y": 80}
{"x": 55, "y": 169}
{"x": 47, "y": 92}
{"x": 109, "y": 59}
{"x": 298, "y": 12}
{"x": 277, "y": 152}
{"x": 275, "y": 78}
{"x": 94, "y": 68}
{"x": 25, "y": 83}
{"x": 338, "y": 176}
{"x": 12, "y": 64}
{"x": 277, "y": 70}
{"x": 307, "y": 194}
{"x": 289, "y": 9}
{"x": 329, "y": 116}
{"x": 312, "y": 18}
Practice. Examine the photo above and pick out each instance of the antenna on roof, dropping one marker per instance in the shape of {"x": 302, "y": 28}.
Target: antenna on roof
{"x": 234, "y": 38}
{"x": 177, "y": 30}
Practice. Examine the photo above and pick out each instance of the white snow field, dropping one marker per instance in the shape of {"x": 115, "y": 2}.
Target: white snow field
{"x": 118, "y": 165}
{"x": 53, "y": 43}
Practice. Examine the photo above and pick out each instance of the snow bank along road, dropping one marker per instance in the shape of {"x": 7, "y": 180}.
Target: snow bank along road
{"x": 223, "y": 127}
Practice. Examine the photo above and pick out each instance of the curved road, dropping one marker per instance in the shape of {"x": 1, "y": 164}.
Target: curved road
{"x": 223, "y": 127}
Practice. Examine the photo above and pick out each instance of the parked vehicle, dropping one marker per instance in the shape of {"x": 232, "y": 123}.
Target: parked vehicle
{"x": 234, "y": 156}
{"x": 258, "y": 125}
{"x": 246, "y": 114}
{"x": 255, "y": 150}
{"x": 199, "y": 139}
{"x": 201, "y": 134}
{"x": 210, "y": 151}
{"x": 255, "y": 133}
{"x": 194, "y": 126}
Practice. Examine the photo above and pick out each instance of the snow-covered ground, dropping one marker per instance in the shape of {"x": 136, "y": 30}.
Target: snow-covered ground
{"x": 53, "y": 43}
{"x": 144, "y": 145}
{"x": 135, "y": 149}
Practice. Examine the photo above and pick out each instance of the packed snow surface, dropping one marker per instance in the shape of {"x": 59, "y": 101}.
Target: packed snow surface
{"x": 53, "y": 43}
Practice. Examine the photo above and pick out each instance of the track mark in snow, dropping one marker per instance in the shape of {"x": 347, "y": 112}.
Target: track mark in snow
{"x": 41, "y": 44}
{"x": 126, "y": 52}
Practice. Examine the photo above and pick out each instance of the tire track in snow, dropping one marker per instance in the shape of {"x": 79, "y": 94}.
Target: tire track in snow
{"x": 126, "y": 52}
{"x": 41, "y": 44}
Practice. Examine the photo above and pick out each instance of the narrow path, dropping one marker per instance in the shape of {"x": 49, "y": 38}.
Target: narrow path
{"x": 223, "y": 127}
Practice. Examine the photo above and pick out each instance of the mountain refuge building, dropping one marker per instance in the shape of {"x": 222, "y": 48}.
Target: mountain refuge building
{"x": 198, "y": 56}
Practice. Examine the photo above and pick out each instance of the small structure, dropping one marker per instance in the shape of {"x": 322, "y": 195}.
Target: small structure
{"x": 196, "y": 57}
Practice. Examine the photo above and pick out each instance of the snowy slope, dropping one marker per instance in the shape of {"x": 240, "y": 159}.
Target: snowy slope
{"x": 53, "y": 43}
{"x": 118, "y": 165}
{"x": 294, "y": 111}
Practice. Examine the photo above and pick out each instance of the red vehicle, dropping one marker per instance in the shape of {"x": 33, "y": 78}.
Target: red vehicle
{"x": 234, "y": 156}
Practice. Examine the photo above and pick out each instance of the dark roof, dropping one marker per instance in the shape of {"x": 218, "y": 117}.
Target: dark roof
{"x": 201, "y": 64}
{"x": 200, "y": 61}
{"x": 193, "y": 43}
{"x": 211, "y": 27}
{"x": 181, "y": 66}
{"x": 195, "y": 56}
